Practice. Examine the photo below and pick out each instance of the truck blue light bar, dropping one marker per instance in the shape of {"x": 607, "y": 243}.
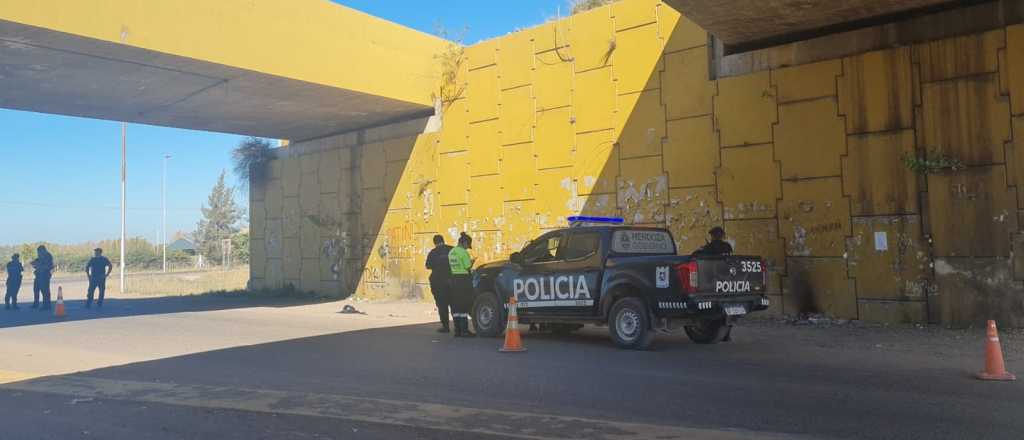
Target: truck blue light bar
{"x": 579, "y": 220}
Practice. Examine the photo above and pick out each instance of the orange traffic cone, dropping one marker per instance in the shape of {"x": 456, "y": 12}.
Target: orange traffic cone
{"x": 58, "y": 311}
{"x": 513, "y": 341}
{"x": 994, "y": 367}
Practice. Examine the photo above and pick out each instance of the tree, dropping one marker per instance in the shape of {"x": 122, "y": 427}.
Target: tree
{"x": 220, "y": 219}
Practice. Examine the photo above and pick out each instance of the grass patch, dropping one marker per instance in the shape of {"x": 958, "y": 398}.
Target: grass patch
{"x": 187, "y": 283}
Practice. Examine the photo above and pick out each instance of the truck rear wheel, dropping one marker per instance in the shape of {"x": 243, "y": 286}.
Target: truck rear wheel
{"x": 488, "y": 316}
{"x": 708, "y": 332}
{"x": 629, "y": 324}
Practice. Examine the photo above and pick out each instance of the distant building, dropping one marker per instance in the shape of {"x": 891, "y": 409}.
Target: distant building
{"x": 182, "y": 245}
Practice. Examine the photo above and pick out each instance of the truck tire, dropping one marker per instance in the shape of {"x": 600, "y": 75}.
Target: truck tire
{"x": 630, "y": 325}
{"x": 488, "y": 316}
{"x": 708, "y": 332}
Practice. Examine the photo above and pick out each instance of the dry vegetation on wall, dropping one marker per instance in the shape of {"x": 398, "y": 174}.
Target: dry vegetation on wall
{"x": 451, "y": 62}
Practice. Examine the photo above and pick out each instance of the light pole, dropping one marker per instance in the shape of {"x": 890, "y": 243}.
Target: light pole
{"x": 163, "y": 208}
{"x": 124, "y": 177}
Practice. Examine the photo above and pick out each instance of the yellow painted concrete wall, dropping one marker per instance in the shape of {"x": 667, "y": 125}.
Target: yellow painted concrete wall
{"x": 344, "y": 48}
{"x": 612, "y": 112}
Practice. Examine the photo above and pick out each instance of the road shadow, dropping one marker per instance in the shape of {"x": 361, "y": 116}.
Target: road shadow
{"x": 75, "y": 310}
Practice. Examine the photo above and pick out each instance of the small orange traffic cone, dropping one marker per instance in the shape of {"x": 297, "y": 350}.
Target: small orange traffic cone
{"x": 58, "y": 311}
{"x": 513, "y": 341}
{"x": 994, "y": 367}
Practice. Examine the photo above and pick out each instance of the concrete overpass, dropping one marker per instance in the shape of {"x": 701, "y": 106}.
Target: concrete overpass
{"x": 297, "y": 70}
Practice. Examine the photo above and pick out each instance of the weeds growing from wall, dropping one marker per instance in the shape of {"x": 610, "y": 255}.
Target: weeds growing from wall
{"x": 933, "y": 162}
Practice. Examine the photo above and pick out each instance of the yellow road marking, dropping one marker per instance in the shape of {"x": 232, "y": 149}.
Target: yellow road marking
{"x": 391, "y": 412}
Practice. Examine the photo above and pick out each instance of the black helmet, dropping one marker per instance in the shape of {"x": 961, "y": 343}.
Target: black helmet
{"x": 717, "y": 231}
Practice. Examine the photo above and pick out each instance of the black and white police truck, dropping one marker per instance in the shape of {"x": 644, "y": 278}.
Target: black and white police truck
{"x": 629, "y": 278}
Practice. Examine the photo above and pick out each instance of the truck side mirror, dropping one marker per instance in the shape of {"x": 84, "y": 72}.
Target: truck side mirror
{"x": 516, "y": 258}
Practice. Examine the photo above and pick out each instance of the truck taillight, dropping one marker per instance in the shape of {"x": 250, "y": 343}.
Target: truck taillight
{"x": 688, "y": 276}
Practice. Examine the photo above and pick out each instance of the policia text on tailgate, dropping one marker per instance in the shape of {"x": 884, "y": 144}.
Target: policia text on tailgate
{"x": 628, "y": 278}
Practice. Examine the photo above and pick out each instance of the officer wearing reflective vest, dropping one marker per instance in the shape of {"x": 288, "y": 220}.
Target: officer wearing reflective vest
{"x": 462, "y": 293}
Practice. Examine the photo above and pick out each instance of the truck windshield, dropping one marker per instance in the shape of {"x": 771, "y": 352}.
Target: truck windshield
{"x": 643, "y": 241}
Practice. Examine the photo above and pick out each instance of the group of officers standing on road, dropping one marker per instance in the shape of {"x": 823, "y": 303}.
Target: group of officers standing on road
{"x": 452, "y": 285}
{"x": 97, "y": 269}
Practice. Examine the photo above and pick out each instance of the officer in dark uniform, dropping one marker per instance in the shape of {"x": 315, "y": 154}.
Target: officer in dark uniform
{"x": 440, "y": 279}
{"x": 462, "y": 285}
{"x": 98, "y": 269}
{"x": 717, "y": 245}
{"x": 43, "y": 269}
{"x": 14, "y": 270}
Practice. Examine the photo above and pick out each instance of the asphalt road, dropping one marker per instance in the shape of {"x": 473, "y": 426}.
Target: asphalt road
{"x": 281, "y": 371}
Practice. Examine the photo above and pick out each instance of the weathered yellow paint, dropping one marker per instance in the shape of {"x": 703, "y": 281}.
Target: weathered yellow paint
{"x": 967, "y": 119}
{"x": 691, "y": 152}
{"x": 485, "y": 205}
{"x": 686, "y": 90}
{"x": 1015, "y": 66}
{"x": 484, "y": 153}
{"x": 875, "y": 91}
{"x": 596, "y": 90}
{"x": 960, "y": 57}
{"x": 633, "y": 14}
{"x": 516, "y": 55}
{"x": 242, "y": 33}
{"x": 597, "y": 163}
{"x": 810, "y": 139}
{"x": 642, "y": 190}
{"x": 637, "y": 61}
{"x": 690, "y": 214}
{"x": 808, "y": 81}
{"x": 755, "y": 95}
{"x": 767, "y": 154}
{"x": 814, "y": 218}
{"x": 972, "y": 212}
{"x": 555, "y": 138}
{"x": 875, "y": 177}
{"x": 819, "y": 285}
{"x": 758, "y": 237}
{"x": 517, "y": 116}
{"x": 748, "y": 182}
{"x": 518, "y": 172}
{"x": 640, "y": 124}
{"x": 591, "y": 40}
{"x": 483, "y": 94}
{"x": 896, "y": 271}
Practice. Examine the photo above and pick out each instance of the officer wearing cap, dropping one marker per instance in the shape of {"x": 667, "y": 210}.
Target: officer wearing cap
{"x": 98, "y": 269}
{"x": 717, "y": 245}
{"x": 461, "y": 285}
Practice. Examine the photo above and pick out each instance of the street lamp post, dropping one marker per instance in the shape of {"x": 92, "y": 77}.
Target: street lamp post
{"x": 163, "y": 208}
{"x": 124, "y": 177}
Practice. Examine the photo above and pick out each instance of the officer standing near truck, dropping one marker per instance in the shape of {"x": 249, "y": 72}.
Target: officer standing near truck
{"x": 98, "y": 269}
{"x": 43, "y": 268}
{"x": 717, "y": 245}
{"x": 462, "y": 285}
{"x": 440, "y": 279}
{"x": 14, "y": 270}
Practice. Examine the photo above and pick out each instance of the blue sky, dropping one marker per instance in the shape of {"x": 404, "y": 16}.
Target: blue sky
{"x": 59, "y": 176}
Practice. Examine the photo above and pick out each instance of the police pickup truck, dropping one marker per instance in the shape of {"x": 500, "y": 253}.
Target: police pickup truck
{"x": 628, "y": 278}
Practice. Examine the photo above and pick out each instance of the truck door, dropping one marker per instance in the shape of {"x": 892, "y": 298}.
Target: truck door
{"x": 542, "y": 264}
{"x": 581, "y": 266}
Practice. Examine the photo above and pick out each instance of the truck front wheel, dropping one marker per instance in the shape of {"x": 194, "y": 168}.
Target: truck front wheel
{"x": 488, "y": 316}
{"x": 629, "y": 324}
{"x": 708, "y": 332}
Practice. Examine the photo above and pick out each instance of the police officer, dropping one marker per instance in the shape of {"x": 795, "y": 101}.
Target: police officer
{"x": 98, "y": 269}
{"x": 440, "y": 279}
{"x": 14, "y": 270}
{"x": 43, "y": 269}
{"x": 717, "y": 245}
{"x": 461, "y": 285}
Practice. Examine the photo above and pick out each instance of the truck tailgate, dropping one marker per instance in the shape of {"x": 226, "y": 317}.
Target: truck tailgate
{"x": 728, "y": 275}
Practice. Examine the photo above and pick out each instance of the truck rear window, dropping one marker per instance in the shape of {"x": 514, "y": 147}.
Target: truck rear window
{"x": 643, "y": 241}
